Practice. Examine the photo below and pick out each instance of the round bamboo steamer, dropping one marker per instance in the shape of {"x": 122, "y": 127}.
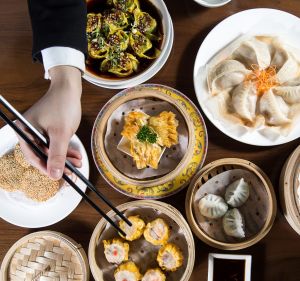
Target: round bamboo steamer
{"x": 100, "y": 130}
{"x": 213, "y": 169}
{"x": 45, "y": 256}
{"x": 288, "y": 190}
{"x": 166, "y": 209}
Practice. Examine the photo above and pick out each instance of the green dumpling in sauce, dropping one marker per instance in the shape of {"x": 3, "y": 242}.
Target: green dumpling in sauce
{"x": 125, "y": 5}
{"x": 143, "y": 22}
{"x": 114, "y": 20}
{"x": 141, "y": 45}
{"x": 121, "y": 64}
{"x": 118, "y": 40}
{"x": 93, "y": 25}
{"x": 97, "y": 47}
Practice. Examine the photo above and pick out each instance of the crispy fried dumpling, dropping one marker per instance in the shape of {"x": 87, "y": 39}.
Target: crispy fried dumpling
{"x": 127, "y": 271}
{"x": 244, "y": 100}
{"x": 212, "y": 206}
{"x": 274, "y": 109}
{"x": 233, "y": 223}
{"x": 225, "y": 75}
{"x": 135, "y": 231}
{"x": 134, "y": 120}
{"x": 170, "y": 257}
{"x": 237, "y": 193}
{"x": 154, "y": 275}
{"x": 253, "y": 52}
{"x": 165, "y": 125}
{"x": 116, "y": 251}
{"x": 145, "y": 154}
{"x": 157, "y": 232}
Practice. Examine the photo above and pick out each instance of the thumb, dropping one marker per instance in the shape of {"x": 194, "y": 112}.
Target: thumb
{"x": 59, "y": 142}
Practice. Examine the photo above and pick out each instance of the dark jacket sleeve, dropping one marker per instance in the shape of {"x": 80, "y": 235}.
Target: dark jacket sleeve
{"x": 57, "y": 23}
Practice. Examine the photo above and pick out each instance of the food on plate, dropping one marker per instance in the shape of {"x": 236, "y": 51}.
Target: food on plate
{"x": 124, "y": 37}
{"x": 257, "y": 86}
{"x": 128, "y": 271}
{"x": 135, "y": 231}
{"x": 17, "y": 175}
{"x": 237, "y": 193}
{"x": 233, "y": 223}
{"x": 154, "y": 275}
{"x": 170, "y": 257}
{"x": 212, "y": 206}
{"x": 157, "y": 232}
{"x": 115, "y": 250}
{"x": 149, "y": 135}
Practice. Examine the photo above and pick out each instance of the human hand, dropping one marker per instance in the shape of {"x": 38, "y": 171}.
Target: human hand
{"x": 57, "y": 115}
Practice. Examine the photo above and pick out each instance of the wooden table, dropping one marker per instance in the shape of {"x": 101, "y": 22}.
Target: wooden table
{"x": 277, "y": 256}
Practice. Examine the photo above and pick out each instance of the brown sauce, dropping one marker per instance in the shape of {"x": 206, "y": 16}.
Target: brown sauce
{"x": 229, "y": 270}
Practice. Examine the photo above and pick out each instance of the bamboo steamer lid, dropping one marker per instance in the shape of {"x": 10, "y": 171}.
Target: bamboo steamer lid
{"x": 215, "y": 168}
{"x": 45, "y": 256}
{"x": 288, "y": 185}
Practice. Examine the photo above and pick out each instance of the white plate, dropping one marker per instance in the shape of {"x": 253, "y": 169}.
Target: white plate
{"x": 18, "y": 210}
{"x": 224, "y": 33}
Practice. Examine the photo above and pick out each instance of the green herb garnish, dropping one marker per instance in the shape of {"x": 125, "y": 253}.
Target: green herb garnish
{"x": 146, "y": 134}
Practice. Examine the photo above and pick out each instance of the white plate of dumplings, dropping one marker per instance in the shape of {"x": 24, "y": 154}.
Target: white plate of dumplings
{"x": 255, "y": 125}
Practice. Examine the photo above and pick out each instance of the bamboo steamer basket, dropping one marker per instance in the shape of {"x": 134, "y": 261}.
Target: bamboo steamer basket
{"x": 288, "y": 186}
{"x": 173, "y": 214}
{"x": 45, "y": 256}
{"x": 213, "y": 169}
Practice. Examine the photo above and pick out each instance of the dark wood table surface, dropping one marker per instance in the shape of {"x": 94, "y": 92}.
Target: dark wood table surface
{"x": 277, "y": 256}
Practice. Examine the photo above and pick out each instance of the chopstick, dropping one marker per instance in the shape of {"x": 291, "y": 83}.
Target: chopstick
{"x": 41, "y": 154}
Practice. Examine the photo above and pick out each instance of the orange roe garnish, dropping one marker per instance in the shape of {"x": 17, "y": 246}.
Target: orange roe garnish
{"x": 264, "y": 79}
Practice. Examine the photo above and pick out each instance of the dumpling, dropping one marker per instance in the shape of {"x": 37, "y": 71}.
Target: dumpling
{"x": 274, "y": 109}
{"x": 116, "y": 251}
{"x": 127, "y": 271}
{"x": 212, "y": 206}
{"x": 126, "y": 5}
{"x": 226, "y": 75}
{"x": 154, "y": 275}
{"x": 244, "y": 100}
{"x": 165, "y": 125}
{"x": 290, "y": 94}
{"x": 135, "y": 231}
{"x": 170, "y": 257}
{"x": 253, "y": 52}
{"x": 233, "y": 224}
{"x": 157, "y": 232}
{"x": 237, "y": 193}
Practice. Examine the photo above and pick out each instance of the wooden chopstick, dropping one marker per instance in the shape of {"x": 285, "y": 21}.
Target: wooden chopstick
{"x": 68, "y": 164}
{"x": 44, "y": 156}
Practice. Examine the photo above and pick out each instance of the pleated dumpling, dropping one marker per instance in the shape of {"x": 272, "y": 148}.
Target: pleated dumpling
{"x": 253, "y": 52}
{"x": 290, "y": 91}
{"x": 170, "y": 257}
{"x": 237, "y": 193}
{"x": 274, "y": 109}
{"x": 157, "y": 232}
{"x": 154, "y": 275}
{"x": 233, "y": 223}
{"x": 212, "y": 206}
{"x": 135, "y": 231}
{"x": 225, "y": 75}
{"x": 116, "y": 251}
{"x": 244, "y": 100}
{"x": 128, "y": 271}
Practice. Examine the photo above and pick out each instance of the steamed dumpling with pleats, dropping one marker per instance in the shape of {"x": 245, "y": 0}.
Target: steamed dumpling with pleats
{"x": 237, "y": 193}
{"x": 225, "y": 75}
{"x": 253, "y": 52}
{"x": 212, "y": 206}
{"x": 233, "y": 224}
{"x": 290, "y": 91}
{"x": 244, "y": 100}
{"x": 274, "y": 109}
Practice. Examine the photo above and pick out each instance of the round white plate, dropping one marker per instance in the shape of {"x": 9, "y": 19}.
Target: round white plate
{"x": 21, "y": 211}
{"x": 223, "y": 34}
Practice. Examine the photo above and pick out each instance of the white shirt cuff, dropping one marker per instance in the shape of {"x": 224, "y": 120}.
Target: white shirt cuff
{"x": 55, "y": 56}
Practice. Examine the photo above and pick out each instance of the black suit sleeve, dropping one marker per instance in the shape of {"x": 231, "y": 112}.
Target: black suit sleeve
{"x": 57, "y": 23}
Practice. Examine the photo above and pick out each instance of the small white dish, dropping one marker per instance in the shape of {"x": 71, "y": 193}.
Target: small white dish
{"x": 225, "y": 257}
{"x": 21, "y": 211}
{"x": 212, "y": 3}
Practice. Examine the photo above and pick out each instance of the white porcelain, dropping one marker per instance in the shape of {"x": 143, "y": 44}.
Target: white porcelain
{"x": 212, "y": 3}
{"x": 167, "y": 45}
{"x": 18, "y": 210}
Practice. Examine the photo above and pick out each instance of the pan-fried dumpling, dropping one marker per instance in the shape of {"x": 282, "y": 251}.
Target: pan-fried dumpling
{"x": 237, "y": 193}
{"x": 253, "y": 51}
{"x": 274, "y": 109}
{"x": 225, "y": 75}
{"x": 233, "y": 223}
{"x": 244, "y": 100}
{"x": 290, "y": 93}
{"x": 212, "y": 206}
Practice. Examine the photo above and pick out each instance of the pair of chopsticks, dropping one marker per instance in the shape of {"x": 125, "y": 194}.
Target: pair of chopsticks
{"x": 68, "y": 164}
